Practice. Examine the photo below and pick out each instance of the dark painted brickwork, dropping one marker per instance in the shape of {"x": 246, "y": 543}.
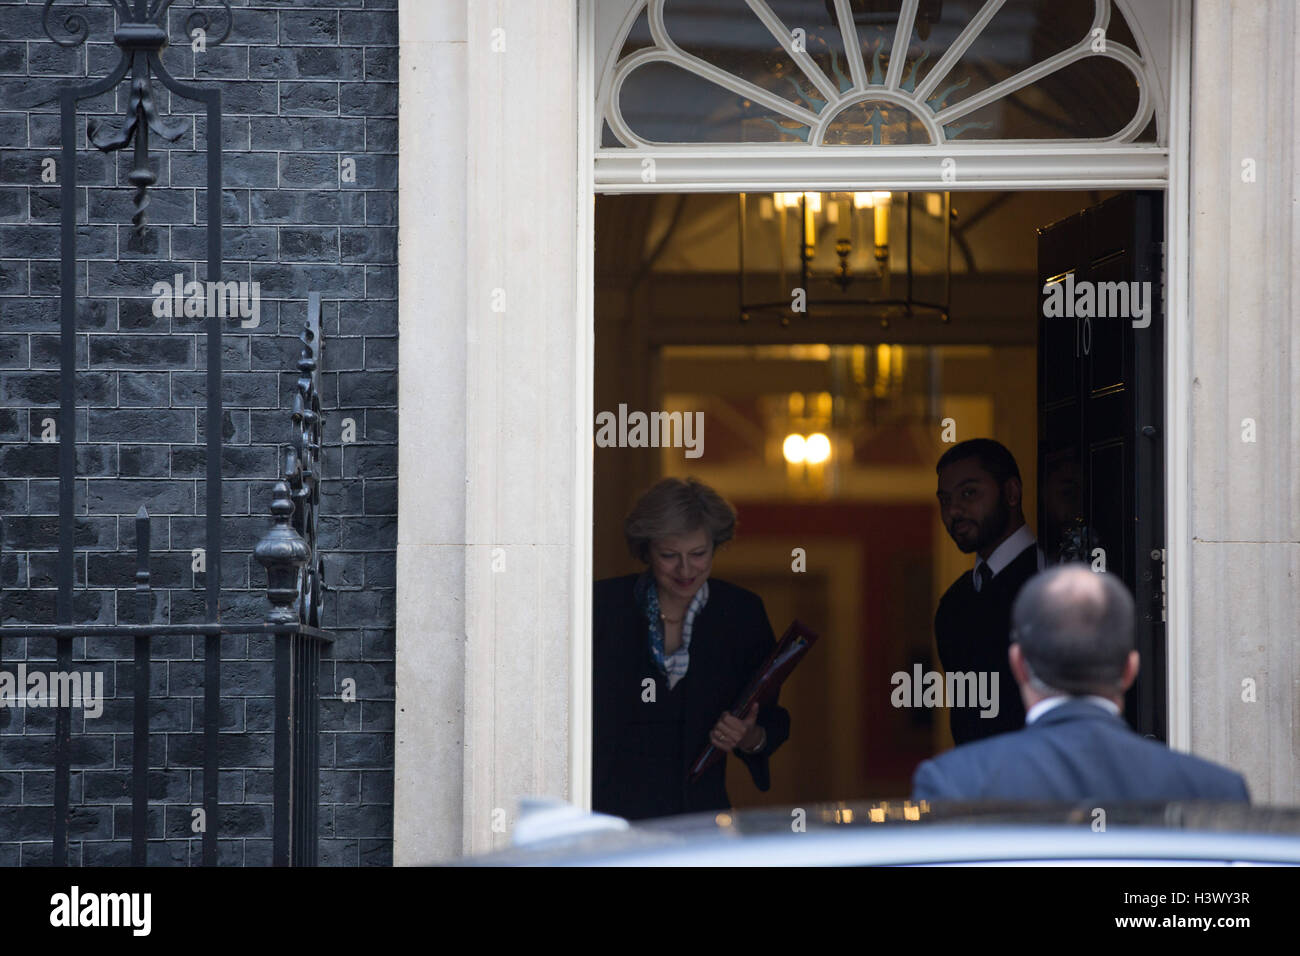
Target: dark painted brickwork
{"x": 310, "y": 88}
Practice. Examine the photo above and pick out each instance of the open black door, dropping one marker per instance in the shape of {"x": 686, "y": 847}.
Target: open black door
{"x": 1101, "y": 414}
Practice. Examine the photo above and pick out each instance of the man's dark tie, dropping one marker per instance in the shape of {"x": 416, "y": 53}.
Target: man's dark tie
{"x": 986, "y": 575}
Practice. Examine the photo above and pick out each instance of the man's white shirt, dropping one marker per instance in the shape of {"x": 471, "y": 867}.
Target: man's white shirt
{"x": 1043, "y": 706}
{"x": 1007, "y": 552}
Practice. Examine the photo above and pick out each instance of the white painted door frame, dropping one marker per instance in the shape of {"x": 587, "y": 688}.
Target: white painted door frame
{"x": 978, "y": 167}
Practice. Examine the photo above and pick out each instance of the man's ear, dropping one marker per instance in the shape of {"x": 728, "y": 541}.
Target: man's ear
{"x": 1131, "y": 667}
{"x": 1019, "y": 670}
{"x": 1012, "y": 490}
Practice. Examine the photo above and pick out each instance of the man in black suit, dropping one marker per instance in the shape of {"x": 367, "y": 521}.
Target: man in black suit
{"x": 980, "y": 505}
{"x": 1073, "y": 659}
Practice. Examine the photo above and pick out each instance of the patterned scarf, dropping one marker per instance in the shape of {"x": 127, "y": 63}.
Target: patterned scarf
{"x": 672, "y": 666}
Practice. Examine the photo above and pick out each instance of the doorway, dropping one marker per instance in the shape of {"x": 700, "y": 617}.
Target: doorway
{"x": 669, "y": 337}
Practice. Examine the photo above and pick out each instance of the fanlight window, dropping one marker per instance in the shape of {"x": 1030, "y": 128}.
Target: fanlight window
{"x": 879, "y": 73}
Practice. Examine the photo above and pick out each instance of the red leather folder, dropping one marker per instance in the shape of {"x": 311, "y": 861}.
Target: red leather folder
{"x": 764, "y": 685}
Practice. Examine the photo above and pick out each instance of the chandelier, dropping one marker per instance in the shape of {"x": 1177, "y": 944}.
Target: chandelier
{"x": 860, "y": 256}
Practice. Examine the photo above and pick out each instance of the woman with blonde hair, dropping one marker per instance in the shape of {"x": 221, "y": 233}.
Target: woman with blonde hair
{"x": 673, "y": 649}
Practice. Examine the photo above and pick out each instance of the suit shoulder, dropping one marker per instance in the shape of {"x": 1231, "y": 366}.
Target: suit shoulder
{"x": 1024, "y": 565}
{"x": 1193, "y": 765}
{"x": 960, "y": 589}
{"x": 989, "y": 755}
{"x": 962, "y": 772}
{"x": 613, "y": 595}
{"x": 610, "y": 588}
{"x": 990, "y": 748}
{"x": 732, "y": 594}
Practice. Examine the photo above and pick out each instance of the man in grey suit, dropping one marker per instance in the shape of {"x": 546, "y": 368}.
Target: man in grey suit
{"x": 1072, "y": 656}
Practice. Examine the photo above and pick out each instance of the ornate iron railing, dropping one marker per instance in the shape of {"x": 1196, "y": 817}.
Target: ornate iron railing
{"x": 295, "y": 587}
{"x": 295, "y": 580}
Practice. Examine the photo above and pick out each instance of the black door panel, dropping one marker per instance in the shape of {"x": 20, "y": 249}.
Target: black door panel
{"x": 1101, "y": 418}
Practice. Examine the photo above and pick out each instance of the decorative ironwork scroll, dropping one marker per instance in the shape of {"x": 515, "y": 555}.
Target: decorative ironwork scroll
{"x": 295, "y": 584}
{"x": 302, "y": 463}
{"x": 141, "y": 37}
{"x": 290, "y": 547}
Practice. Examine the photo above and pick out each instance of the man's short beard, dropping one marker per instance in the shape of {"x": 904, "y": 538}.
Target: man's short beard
{"x": 991, "y": 527}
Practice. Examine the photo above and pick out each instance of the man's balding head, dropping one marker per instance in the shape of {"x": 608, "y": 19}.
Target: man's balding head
{"x": 1075, "y": 631}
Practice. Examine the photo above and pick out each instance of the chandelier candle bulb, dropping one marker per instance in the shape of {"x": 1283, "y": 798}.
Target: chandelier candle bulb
{"x": 817, "y": 449}
{"x": 809, "y": 225}
{"x": 882, "y": 223}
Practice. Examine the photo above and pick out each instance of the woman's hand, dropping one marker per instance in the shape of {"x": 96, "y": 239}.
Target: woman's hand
{"x": 730, "y": 731}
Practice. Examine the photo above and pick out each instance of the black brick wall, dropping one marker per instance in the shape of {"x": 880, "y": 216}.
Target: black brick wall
{"x": 307, "y": 84}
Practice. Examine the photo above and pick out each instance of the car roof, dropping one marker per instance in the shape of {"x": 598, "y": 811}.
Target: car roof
{"x": 904, "y": 832}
